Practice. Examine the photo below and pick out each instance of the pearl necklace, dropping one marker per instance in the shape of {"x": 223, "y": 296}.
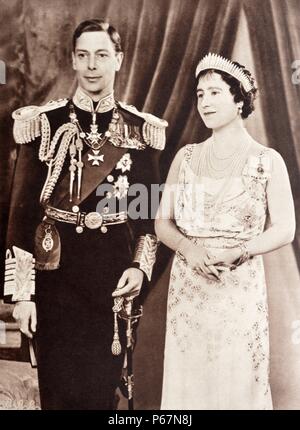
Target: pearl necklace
{"x": 214, "y": 167}
{"x": 231, "y": 169}
{"x": 216, "y": 156}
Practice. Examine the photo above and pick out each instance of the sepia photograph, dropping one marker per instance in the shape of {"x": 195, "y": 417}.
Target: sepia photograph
{"x": 150, "y": 207}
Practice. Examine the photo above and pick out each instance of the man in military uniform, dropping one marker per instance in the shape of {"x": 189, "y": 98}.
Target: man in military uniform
{"x": 66, "y": 261}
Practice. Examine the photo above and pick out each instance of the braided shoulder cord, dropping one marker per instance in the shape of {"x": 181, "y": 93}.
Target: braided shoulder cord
{"x": 69, "y": 130}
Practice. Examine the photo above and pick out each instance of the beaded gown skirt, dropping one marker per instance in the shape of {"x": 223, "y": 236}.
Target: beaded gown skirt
{"x": 217, "y": 336}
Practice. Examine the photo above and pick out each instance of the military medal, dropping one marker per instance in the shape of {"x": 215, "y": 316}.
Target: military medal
{"x": 94, "y": 138}
{"x": 96, "y": 158}
{"x": 48, "y": 243}
{"x": 95, "y": 141}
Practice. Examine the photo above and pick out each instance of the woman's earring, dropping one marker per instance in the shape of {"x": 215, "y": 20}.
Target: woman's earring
{"x": 240, "y": 108}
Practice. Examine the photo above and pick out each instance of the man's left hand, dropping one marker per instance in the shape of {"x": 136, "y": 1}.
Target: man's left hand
{"x": 130, "y": 283}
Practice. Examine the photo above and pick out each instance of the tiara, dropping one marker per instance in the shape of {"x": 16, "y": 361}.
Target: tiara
{"x": 215, "y": 61}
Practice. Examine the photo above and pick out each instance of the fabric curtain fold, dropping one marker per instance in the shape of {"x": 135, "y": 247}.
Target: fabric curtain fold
{"x": 276, "y": 46}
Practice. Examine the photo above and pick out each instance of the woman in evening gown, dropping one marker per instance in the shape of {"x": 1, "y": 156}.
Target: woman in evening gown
{"x": 226, "y": 202}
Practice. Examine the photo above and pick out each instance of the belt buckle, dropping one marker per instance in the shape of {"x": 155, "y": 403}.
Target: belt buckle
{"x": 93, "y": 220}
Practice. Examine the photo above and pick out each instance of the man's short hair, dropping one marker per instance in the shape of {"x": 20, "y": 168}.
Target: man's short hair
{"x": 98, "y": 25}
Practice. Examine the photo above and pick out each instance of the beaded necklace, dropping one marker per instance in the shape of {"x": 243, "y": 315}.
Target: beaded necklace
{"x": 207, "y": 167}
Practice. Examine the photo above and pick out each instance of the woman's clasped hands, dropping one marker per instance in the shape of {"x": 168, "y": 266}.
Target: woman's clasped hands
{"x": 207, "y": 264}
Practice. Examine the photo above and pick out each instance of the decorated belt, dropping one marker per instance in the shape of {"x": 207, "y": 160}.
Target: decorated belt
{"x": 91, "y": 220}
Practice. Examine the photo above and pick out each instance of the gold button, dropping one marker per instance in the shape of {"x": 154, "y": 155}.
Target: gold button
{"x": 110, "y": 178}
{"x": 79, "y": 229}
{"x": 75, "y": 209}
{"x": 104, "y": 229}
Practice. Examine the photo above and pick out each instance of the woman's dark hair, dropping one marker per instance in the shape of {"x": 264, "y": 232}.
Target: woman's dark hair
{"x": 236, "y": 88}
{"x": 98, "y": 25}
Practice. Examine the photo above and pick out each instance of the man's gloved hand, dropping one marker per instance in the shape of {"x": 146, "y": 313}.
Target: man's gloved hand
{"x": 25, "y": 314}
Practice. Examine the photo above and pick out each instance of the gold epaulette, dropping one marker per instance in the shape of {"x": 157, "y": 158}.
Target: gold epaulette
{"x": 154, "y": 128}
{"x": 28, "y": 120}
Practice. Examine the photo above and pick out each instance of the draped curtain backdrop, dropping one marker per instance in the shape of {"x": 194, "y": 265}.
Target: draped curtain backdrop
{"x": 163, "y": 41}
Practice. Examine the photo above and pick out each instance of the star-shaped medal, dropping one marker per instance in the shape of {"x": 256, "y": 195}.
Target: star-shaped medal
{"x": 94, "y": 137}
{"x": 96, "y": 158}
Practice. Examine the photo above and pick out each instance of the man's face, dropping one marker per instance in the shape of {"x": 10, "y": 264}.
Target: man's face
{"x": 96, "y": 63}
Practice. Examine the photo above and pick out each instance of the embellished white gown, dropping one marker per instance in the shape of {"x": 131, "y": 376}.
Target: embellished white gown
{"x": 217, "y": 337}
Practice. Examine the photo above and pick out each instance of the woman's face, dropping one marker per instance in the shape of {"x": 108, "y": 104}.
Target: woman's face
{"x": 215, "y": 105}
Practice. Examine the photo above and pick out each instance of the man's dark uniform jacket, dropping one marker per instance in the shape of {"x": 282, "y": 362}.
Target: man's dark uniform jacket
{"x": 68, "y": 245}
